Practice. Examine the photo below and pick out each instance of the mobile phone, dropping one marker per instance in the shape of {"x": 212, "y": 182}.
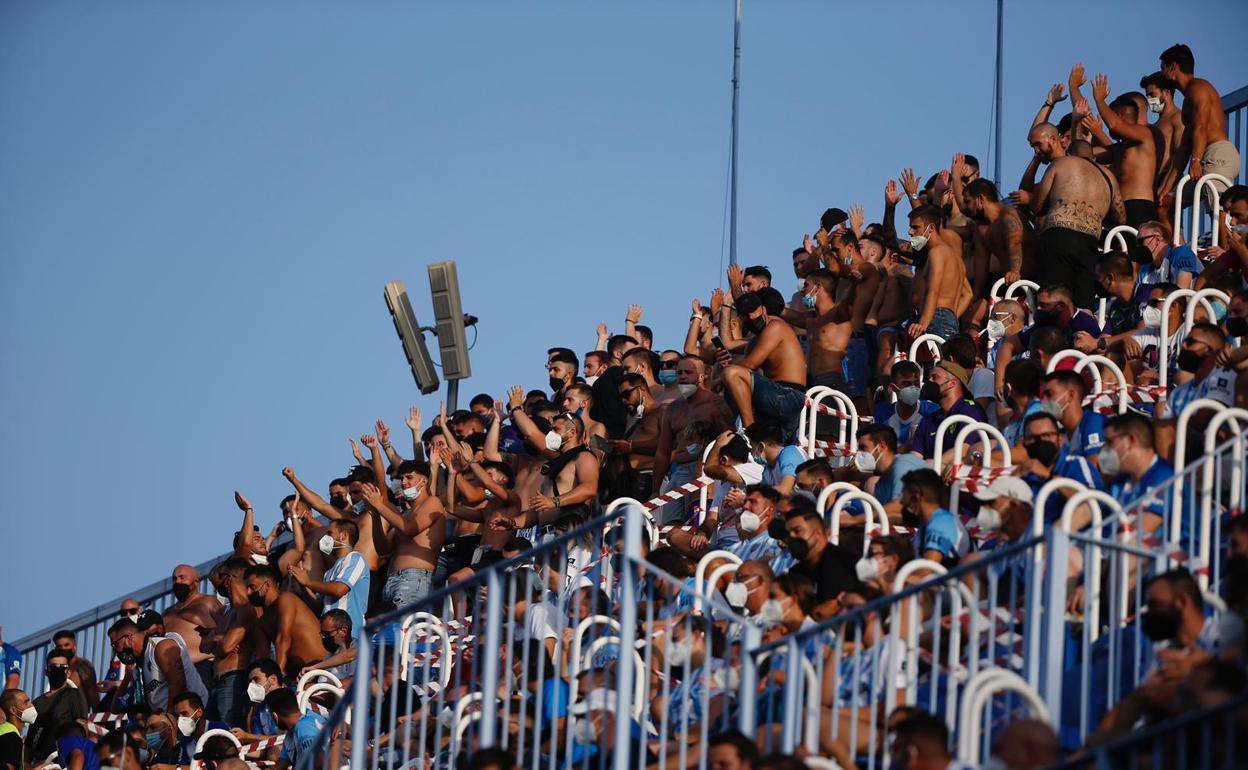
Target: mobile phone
{"x": 717, "y": 342}
{"x": 599, "y": 443}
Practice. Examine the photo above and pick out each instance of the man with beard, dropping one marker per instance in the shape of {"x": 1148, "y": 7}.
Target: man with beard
{"x": 61, "y": 705}
{"x": 1003, "y": 241}
{"x": 231, "y": 645}
{"x": 1134, "y": 156}
{"x": 158, "y": 667}
{"x": 631, "y": 459}
{"x": 677, "y": 464}
{"x": 285, "y": 619}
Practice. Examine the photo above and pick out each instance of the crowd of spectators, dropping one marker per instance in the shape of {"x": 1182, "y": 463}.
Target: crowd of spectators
{"x": 630, "y": 418}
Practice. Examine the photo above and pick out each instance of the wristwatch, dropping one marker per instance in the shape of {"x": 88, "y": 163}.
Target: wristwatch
{"x": 1101, "y": 344}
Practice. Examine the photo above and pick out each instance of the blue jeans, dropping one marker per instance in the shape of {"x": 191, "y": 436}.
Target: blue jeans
{"x": 857, "y": 371}
{"x": 407, "y": 586}
{"x": 944, "y": 323}
{"x": 678, "y": 474}
{"x": 777, "y": 403}
{"x": 228, "y": 700}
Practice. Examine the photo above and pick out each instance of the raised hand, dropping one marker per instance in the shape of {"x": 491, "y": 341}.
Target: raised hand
{"x": 498, "y": 409}
{"x": 241, "y": 501}
{"x": 891, "y": 195}
{"x": 959, "y": 167}
{"x": 910, "y": 181}
{"x": 717, "y": 301}
{"x": 369, "y": 441}
{"x": 413, "y": 419}
{"x": 634, "y": 314}
{"x": 857, "y": 217}
{"x": 696, "y": 306}
{"x": 735, "y": 276}
{"x": 602, "y": 329}
{"x": 515, "y": 397}
{"x": 1057, "y": 93}
{"x": 1100, "y": 87}
{"x": 1082, "y": 108}
{"x": 1076, "y": 76}
{"x": 1020, "y": 198}
{"x": 1092, "y": 123}
{"x": 372, "y": 496}
{"x": 355, "y": 451}
{"x": 288, "y": 472}
{"x": 383, "y": 432}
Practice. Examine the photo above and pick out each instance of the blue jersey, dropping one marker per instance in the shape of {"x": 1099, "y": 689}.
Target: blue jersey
{"x": 944, "y": 533}
{"x": 785, "y": 465}
{"x": 351, "y": 571}
{"x": 886, "y": 414}
{"x": 1088, "y": 437}
{"x": 10, "y": 660}
{"x": 1129, "y": 493}
{"x": 302, "y": 737}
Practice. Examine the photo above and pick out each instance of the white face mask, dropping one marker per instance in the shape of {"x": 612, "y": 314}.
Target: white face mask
{"x": 553, "y": 441}
{"x": 989, "y": 518}
{"x": 918, "y": 242}
{"x": 1152, "y": 316}
{"x": 260, "y": 559}
{"x": 583, "y": 731}
{"x": 909, "y": 395}
{"x": 867, "y": 569}
{"x": 864, "y": 461}
{"x": 1109, "y": 462}
{"x": 358, "y": 507}
{"x": 255, "y": 692}
{"x": 411, "y": 493}
{"x": 1154, "y": 104}
{"x": 996, "y": 329}
{"x": 679, "y": 653}
{"x": 693, "y": 449}
{"x": 772, "y": 612}
{"x": 326, "y": 544}
{"x": 186, "y": 726}
{"x": 29, "y": 715}
{"x": 736, "y": 593}
{"x": 750, "y": 522}
{"x": 686, "y": 390}
{"x": 591, "y": 379}
{"x": 639, "y": 410}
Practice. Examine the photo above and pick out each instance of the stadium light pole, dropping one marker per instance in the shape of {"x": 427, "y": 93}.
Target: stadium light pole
{"x": 736, "y": 123}
{"x": 996, "y": 161}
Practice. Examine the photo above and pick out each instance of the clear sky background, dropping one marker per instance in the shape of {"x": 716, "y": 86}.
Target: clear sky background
{"x": 200, "y": 204}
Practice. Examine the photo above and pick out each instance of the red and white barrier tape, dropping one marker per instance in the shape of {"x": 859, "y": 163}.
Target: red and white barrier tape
{"x": 267, "y": 743}
{"x": 826, "y": 449}
{"x": 1106, "y": 402}
{"x": 823, "y": 408}
{"x": 677, "y": 494}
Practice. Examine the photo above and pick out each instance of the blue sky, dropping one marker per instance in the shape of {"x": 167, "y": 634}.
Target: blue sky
{"x": 200, "y": 203}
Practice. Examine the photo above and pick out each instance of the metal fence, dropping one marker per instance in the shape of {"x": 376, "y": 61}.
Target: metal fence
{"x": 1235, "y": 104}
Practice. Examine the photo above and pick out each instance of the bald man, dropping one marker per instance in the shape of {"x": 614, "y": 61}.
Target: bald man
{"x": 193, "y": 615}
{"x": 1028, "y": 744}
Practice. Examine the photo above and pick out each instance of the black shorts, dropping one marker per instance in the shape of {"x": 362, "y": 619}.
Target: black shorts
{"x": 1068, "y": 257}
{"x": 1138, "y": 212}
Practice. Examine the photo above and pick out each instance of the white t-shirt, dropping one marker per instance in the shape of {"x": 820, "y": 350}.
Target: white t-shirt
{"x": 1219, "y": 385}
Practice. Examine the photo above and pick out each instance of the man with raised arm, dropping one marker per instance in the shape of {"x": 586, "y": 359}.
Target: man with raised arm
{"x": 1168, "y": 130}
{"x": 1205, "y": 146}
{"x": 373, "y": 534}
{"x": 418, "y": 533}
{"x": 286, "y": 620}
{"x": 231, "y": 644}
{"x": 940, "y": 287}
{"x": 769, "y": 380}
{"x": 1133, "y": 156}
{"x": 193, "y": 615}
{"x": 1003, "y": 240}
{"x": 838, "y": 334}
{"x": 640, "y": 441}
{"x": 1075, "y": 196}
{"x": 674, "y": 465}
{"x": 345, "y": 584}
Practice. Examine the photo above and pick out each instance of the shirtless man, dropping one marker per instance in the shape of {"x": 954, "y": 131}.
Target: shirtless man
{"x": 373, "y": 535}
{"x": 1205, "y": 147}
{"x": 769, "y": 382}
{"x": 1003, "y": 241}
{"x": 284, "y": 619}
{"x": 795, "y": 312}
{"x": 232, "y": 644}
{"x": 418, "y": 533}
{"x": 940, "y": 288}
{"x": 569, "y": 478}
{"x": 837, "y": 334}
{"x": 1168, "y": 130}
{"x": 642, "y": 362}
{"x": 192, "y": 615}
{"x": 579, "y": 399}
{"x": 1074, "y": 196}
{"x": 672, "y": 462}
{"x": 641, "y": 438}
{"x": 1134, "y": 156}
{"x": 892, "y": 306}
{"x": 486, "y": 501}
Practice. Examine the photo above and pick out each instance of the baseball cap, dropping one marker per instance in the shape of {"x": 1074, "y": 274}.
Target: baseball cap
{"x": 747, "y": 303}
{"x": 1009, "y": 487}
{"x": 831, "y": 218}
{"x": 957, "y": 371}
{"x": 149, "y": 618}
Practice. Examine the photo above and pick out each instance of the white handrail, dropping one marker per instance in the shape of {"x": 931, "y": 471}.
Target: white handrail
{"x": 806, "y": 425}
{"x": 1062, "y": 355}
{"x": 1206, "y": 179}
{"x": 199, "y": 744}
{"x": 894, "y": 631}
{"x": 705, "y": 491}
{"x": 1031, "y": 287}
{"x": 1230, "y": 414}
{"x": 1180, "y": 458}
{"x": 1117, "y": 232}
{"x": 995, "y": 292}
{"x": 316, "y": 673}
{"x": 461, "y": 724}
{"x": 1163, "y": 341}
{"x": 872, "y": 509}
{"x": 647, "y": 518}
{"x": 835, "y": 488}
{"x": 446, "y": 661}
{"x": 305, "y": 697}
{"x": 1178, "y": 208}
{"x": 847, "y": 432}
{"x": 944, "y": 427}
{"x": 700, "y": 572}
{"x": 810, "y": 733}
{"x": 1092, "y": 600}
{"x": 578, "y": 636}
{"x": 1205, "y": 295}
{"x": 1123, "y": 388}
{"x": 712, "y": 580}
{"x": 985, "y": 430}
{"x": 979, "y": 689}
{"x": 639, "y": 682}
{"x": 919, "y": 340}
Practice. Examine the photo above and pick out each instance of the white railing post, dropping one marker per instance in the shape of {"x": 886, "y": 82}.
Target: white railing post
{"x": 1206, "y": 179}
{"x": 625, "y": 666}
{"x": 359, "y": 697}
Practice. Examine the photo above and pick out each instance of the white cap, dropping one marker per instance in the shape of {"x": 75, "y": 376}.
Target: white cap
{"x": 1009, "y": 487}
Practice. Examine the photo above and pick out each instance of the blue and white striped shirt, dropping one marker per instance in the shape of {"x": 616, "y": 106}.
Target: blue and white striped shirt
{"x": 352, "y": 571}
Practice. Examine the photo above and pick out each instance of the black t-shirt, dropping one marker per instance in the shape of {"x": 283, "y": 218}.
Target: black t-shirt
{"x": 833, "y": 573}
{"x": 10, "y": 750}
{"x": 607, "y": 408}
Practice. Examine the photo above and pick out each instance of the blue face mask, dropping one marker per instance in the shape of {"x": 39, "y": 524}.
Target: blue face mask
{"x": 667, "y": 376}
{"x": 154, "y": 741}
{"x": 808, "y": 301}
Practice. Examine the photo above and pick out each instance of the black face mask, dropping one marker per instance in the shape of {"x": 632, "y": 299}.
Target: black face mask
{"x": 1190, "y": 360}
{"x": 798, "y": 547}
{"x": 776, "y": 529}
{"x": 56, "y": 677}
{"x": 1236, "y": 326}
{"x": 127, "y": 657}
{"x": 755, "y": 325}
{"x": 1046, "y": 318}
{"x": 255, "y": 600}
{"x": 328, "y": 641}
{"x": 910, "y": 519}
{"x": 1160, "y": 625}
{"x": 1140, "y": 255}
{"x": 340, "y": 502}
{"x": 1045, "y": 452}
{"x": 930, "y": 391}
{"x": 556, "y": 384}
{"x": 181, "y": 591}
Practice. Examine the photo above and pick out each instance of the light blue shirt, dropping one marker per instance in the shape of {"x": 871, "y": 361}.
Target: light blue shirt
{"x": 352, "y": 571}
{"x": 785, "y": 465}
{"x": 762, "y": 547}
{"x": 888, "y": 488}
{"x": 302, "y": 737}
{"x": 944, "y": 533}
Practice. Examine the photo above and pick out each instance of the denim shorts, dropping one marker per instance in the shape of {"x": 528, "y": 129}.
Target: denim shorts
{"x": 407, "y": 586}
{"x": 944, "y": 323}
{"x": 777, "y": 403}
{"x": 857, "y": 371}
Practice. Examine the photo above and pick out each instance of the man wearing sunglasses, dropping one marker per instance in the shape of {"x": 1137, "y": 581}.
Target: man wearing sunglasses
{"x": 1173, "y": 264}
{"x": 59, "y": 706}
{"x": 1199, "y": 377}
